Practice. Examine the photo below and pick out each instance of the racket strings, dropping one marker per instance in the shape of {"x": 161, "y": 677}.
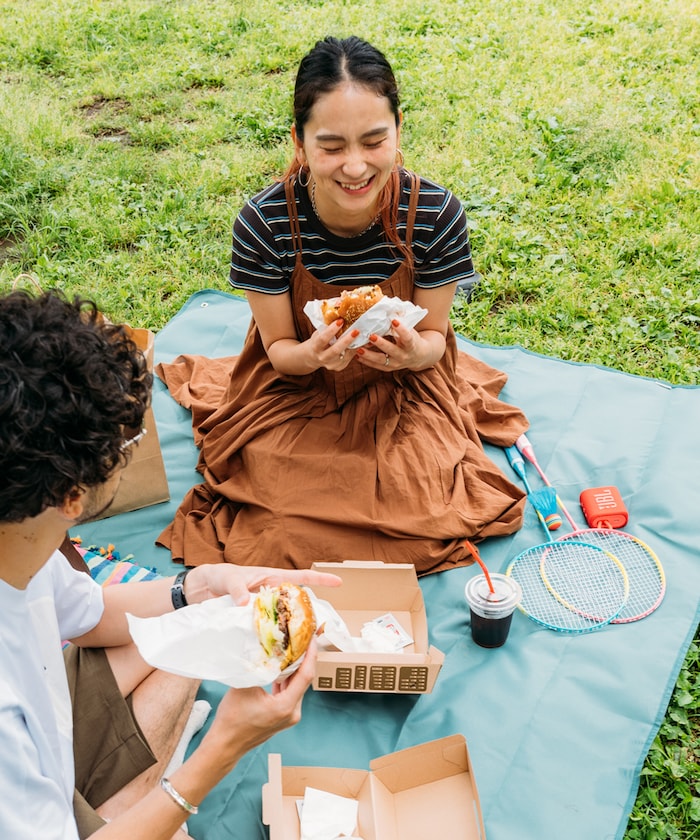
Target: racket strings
{"x": 647, "y": 580}
{"x": 591, "y": 582}
{"x": 570, "y": 586}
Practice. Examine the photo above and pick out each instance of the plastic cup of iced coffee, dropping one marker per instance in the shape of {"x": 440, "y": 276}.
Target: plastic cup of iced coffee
{"x": 492, "y": 612}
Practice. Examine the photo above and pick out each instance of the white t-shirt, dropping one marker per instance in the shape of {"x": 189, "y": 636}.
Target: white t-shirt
{"x": 36, "y": 724}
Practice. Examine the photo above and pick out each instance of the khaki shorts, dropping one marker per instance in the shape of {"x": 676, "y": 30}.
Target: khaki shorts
{"x": 110, "y": 749}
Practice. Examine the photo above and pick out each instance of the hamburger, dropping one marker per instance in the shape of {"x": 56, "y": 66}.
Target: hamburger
{"x": 350, "y": 305}
{"x": 284, "y": 622}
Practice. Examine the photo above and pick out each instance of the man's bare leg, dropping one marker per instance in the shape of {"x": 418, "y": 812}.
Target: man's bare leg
{"x": 162, "y": 704}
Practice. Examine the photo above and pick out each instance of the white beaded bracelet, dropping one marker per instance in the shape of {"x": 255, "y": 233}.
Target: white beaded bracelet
{"x": 177, "y": 797}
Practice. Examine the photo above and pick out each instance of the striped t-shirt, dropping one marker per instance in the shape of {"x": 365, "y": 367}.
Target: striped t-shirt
{"x": 263, "y": 252}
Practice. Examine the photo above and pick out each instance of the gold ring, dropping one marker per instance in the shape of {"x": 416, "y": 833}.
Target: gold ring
{"x": 342, "y": 356}
{"x": 386, "y": 363}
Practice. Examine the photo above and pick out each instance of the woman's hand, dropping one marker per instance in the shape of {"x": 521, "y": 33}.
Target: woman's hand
{"x": 329, "y": 353}
{"x": 403, "y": 349}
{"x": 413, "y": 349}
{"x": 212, "y": 580}
{"x": 275, "y": 321}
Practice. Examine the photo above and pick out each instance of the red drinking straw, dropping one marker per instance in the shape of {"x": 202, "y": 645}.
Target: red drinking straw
{"x": 475, "y": 554}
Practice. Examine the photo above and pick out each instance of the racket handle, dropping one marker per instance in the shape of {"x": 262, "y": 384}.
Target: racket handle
{"x": 525, "y": 447}
{"x": 516, "y": 461}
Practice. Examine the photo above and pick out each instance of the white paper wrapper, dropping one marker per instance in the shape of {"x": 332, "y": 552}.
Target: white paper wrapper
{"x": 216, "y": 640}
{"x": 376, "y": 320}
{"x": 327, "y": 816}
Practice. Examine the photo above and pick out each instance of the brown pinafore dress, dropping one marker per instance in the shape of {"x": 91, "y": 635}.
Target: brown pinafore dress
{"x": 358, "y": 464}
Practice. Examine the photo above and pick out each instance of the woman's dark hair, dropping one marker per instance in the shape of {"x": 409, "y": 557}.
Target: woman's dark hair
{"x": 331, "y": 62}
{"x": 70, "y": 384}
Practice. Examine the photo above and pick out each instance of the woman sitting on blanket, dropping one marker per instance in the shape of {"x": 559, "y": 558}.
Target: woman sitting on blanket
{"x": 321, "y": 451}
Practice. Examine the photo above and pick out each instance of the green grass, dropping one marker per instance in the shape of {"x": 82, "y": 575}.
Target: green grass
{"x": 131, "y": 131}
{"x": 668, "y": 804}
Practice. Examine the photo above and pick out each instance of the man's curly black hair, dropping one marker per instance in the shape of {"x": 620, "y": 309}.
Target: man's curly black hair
{"x": 70, "y": 384}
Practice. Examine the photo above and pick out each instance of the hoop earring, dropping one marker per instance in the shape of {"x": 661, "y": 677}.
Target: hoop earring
{"x": 399, "y": 157}
{"x": 308, "y": 180}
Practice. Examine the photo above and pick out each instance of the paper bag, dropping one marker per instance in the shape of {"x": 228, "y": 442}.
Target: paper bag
{"x": 143, "y": 481}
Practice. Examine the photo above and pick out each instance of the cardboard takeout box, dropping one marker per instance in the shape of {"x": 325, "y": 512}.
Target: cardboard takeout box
{"x": 421, "y": 792}
{"x": 370, "y": 589}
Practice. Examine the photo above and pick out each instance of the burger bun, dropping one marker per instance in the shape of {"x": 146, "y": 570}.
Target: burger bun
{"x": 350, "y": 305}
{"x": 284, "y": 622}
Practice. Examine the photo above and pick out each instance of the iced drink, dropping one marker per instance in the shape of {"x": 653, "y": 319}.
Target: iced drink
{"x": 492, "y": 612}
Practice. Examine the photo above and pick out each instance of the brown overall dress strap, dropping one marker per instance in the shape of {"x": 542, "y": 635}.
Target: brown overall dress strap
{"x": 304, "y": 287}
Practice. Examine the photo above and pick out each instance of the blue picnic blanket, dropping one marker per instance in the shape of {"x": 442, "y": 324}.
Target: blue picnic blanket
{"x": 557, "y": 725}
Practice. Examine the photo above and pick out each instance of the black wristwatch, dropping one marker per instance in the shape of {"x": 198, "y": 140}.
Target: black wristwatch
{"x": 177, "y": 591}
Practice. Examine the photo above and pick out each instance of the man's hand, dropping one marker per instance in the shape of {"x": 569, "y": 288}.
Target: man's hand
{"x": 247, "y": 717}
{"x": 212, "y": 580}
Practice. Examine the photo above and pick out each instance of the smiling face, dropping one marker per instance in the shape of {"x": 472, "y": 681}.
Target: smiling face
{"x": 349, "y": 146}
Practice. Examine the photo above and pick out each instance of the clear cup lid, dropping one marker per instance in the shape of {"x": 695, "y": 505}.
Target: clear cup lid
{"x": 505, "y": 598}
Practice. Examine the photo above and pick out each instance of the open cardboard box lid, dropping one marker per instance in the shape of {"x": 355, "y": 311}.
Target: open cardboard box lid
{"x": 417, "y": 793}
{"x": 370, "y": 589}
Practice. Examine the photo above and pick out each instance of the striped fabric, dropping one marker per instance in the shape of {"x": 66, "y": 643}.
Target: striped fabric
{"x": 262, "y": 258}
{"x": 106, "y": 567}
{"x": 109, "y": 570}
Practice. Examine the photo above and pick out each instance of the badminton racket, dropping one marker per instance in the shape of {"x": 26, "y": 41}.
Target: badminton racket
{"x": 647, "y": 578}
{"x": 570, "y": 586}
{"x": 646, "y": 574}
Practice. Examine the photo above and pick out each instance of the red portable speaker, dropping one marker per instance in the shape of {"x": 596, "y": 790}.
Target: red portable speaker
{"x": 603, "y": 507}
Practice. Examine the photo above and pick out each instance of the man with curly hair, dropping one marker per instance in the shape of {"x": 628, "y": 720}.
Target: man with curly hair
{"x": 86, "y": 733}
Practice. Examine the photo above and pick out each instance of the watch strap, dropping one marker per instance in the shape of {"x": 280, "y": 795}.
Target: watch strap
{"x": 177, "y": 590}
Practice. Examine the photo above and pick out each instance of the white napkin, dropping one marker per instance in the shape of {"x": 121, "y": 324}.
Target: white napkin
{"x": 376, "y": 320}
{"x": 326, "y": 816}
{"x": 383, "y": 634}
